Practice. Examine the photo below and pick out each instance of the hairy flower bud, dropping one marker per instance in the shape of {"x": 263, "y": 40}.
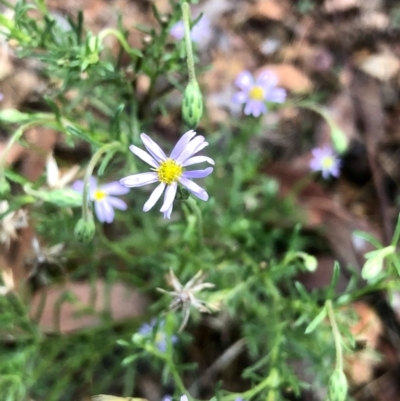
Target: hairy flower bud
{"x": 84, "y": 230}
{"x": 337, "y": 387}
{"x": 192, "y": 105}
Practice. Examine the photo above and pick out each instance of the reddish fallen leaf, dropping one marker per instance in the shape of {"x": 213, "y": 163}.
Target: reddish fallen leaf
{"x": 87, "y": 304}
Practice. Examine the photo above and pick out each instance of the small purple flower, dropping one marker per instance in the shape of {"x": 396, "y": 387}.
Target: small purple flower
{"x": 326, "y": 161}
{"x": 160, "y": 336}
{"x": 255, "y": 92}
{"x": 1, "y": 97}
{"x": 104, "y": 201}
{"x": 201, "y": 31}
{"x": 169, "y": 171}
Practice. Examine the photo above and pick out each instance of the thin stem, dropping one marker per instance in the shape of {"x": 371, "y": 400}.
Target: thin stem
{"x": 196, "y": 210}
{"x": 336, "y": 335}
{"x": 88, "y": 173}
{"x": 188, "y": 42}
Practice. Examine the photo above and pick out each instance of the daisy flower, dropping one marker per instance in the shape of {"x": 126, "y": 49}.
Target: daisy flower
{"x": 104, "y": 198}
{"x": 326, "y": 161}
{"x": 160, "y": 336}
{"x": 201, "y": 31}
{"x": 169, "y": 171}
{"x": 254, "y": 93}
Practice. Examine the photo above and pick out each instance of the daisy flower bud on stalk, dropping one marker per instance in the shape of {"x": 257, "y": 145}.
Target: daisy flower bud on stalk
{"x": 170, "y": 171}
{"x": 255, "y": 92}
{"x": 192, "y": 106}
{"x": 337, "y": 386}
{"x": 84, "y": 230}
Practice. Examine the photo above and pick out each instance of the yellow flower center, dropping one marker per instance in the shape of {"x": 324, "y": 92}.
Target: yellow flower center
{"x": 328, "y": 162}
{"x": 169, "y": 171}
{"x": 256, "y": 93}
{"x": 99, "y": 195}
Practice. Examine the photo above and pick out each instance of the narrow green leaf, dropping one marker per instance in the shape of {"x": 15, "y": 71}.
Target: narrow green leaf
{"x": 316, "y": 321}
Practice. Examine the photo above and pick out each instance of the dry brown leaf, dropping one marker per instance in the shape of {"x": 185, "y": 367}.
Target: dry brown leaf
{"x": 383, "y": 66}
{"x": 368, "y": 329}
{"x": 290, "y": 77}
{"x": 124, "y": 303}
{"x": 271, "y": 9}
{"x": 333, "y": 6}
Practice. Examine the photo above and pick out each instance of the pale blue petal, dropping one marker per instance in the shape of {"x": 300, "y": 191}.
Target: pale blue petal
{"x": 153, "y": 148}
{"x": 276, "y": 95}
{"x": 198, "y": 159}
{"x": 178, "y": 30}
{"x": 180, "y": 145}
{"x": 77, "y": 186}
{"x": 240, "y": 97}
{"x": 143, "y": 155}
{"x": 167, "y": 214}
{"x": 117, "y": 203}
{"x": 138, "y": 180}
{"x": 114, "y": 188}
{"x": 169, "y": 196}
{"x": 198, "y": 173}
{"x": 194, "y": 188}
{"x": 244, "y": 80}
{"x": 104, "y": 211}
{"x": 190, "y": 149}
{"x": 267, "y": 79}
{"x": 255, "y": 108}
{"x": 154, "y": 197}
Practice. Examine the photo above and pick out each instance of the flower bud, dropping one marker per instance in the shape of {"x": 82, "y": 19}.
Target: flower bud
{"x": 192, "y": 105}
{"x": 337, "y": 387}
{"x": 84, "y": 230}
{"x": 182, "y": 193}
{"x": 374, "y": 264}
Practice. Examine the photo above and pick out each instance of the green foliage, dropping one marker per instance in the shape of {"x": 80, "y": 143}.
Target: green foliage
{"x": 246, "y": 239}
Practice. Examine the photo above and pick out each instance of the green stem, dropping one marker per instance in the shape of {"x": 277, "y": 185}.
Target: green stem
{"x": 336, "y": 335}
{"x": 121, "y": 39}
{"x": 88, "y": 173}
{"x": 196, "y": 210}
{"x": 188, "y": 42}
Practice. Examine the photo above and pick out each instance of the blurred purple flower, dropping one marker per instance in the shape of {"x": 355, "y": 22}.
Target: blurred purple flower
{"x": 1, "y": 97}
{"x": 326, "y": 161}
{"x": 168, "y": 171}
{"x": 160, "y": 336}
{"x": 255, "y": 92}
{"x": 201, "y": 31}
{"x": 104, "y": 201}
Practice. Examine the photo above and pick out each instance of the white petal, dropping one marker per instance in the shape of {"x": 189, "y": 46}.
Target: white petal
{"x": 154, "y": 197}
{"x": 167, "y": 214}
{"x": 190, "y": 149}
{"x": 153, "y": 148}
{"x": 194, "y": 188}
{"x": 180, "y": 145}
{"x": 143, "y": 155}
{"x": 52, "y": 171}
{"x": 198, "y": 173}
{"x": 197, "y": 159}
{"x": 169, "y": 197}
{"x": 138, "y": 180}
